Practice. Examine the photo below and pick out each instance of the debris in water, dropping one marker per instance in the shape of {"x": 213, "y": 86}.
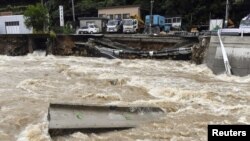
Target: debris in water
{"x": 67, "y": 118}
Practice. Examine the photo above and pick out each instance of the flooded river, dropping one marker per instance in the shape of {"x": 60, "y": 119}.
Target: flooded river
{"x": 191, "y": 95}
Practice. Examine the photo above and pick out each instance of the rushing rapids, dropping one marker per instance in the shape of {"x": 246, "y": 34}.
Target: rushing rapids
{"x": 191, "y": 95}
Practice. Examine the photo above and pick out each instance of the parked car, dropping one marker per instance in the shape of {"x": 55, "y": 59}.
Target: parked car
{"x": 90, "y": 29}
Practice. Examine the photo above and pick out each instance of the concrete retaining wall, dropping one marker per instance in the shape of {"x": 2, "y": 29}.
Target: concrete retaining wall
{"x": 14, "y": 45}
{"x": 238, "y": 51}
{"x": 21, "y": 44}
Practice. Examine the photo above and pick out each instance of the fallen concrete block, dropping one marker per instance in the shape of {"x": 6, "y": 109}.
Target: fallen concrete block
{"x": 67, "y": 118}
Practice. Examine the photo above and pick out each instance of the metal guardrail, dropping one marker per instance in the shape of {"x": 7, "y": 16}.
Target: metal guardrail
{"x": 167, "y": 52}
{"x": 224, "y": 54}
{"x": 114, "y": 53}
{"x": 239, "y": 31}
{"x": 227, "y": 32}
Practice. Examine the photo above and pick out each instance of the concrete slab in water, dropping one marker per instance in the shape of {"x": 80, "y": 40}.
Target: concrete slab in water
{"x": 65, "y": 118}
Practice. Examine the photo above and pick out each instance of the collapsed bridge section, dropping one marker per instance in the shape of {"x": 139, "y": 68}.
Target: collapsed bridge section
{"x": 125, "y": 46}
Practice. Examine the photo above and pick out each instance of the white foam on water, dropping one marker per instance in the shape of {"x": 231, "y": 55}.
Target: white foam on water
{"x": 26, "y": 84}
{"x": 228, "y": 109}
{"x": 180, "y": 87}
{"x": 243, "y": 119}
{"x": 37, "y": 53}
{"x": 111, "y": 96}
{"x": 80, "y": 136}
{"x": 237, "y": 79}
{"x": 6, "y": 108}
{"x": 35, "y": 132}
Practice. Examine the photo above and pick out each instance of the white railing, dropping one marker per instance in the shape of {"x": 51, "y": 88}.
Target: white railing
{"x": 224, "y": 53}
{"x": 240, "y": 31}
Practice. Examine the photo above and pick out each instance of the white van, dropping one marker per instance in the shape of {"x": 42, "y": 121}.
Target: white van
{"x": 90, "y": 29}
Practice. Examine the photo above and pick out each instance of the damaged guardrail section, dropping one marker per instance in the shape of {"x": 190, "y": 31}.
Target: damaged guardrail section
{"x": 112, "y": 50}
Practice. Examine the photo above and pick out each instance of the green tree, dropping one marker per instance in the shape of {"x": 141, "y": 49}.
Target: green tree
{"x": 36, "y": 16}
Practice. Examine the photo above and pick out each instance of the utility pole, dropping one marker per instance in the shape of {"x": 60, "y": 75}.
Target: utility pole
{"x": 191, "y": 20}
{"x": 227, "y": 14}
{"x": 73, "y": 10}
{"x": 151, "y": 16}
{"x": 44, "y": 26}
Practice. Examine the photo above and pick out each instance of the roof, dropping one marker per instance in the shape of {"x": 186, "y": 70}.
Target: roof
{"x": 124, "y": 6}
{"x": 11, "y": 16}
{"x": 92, "y": 18}
{"x": 6, "y": 13}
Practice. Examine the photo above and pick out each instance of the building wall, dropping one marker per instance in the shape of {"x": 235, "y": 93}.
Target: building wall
{"x": 119, "y": 11}
{"x": 20, "y": 18}
{"x": 86, "y": 22}
{"x": 174, "y": 21}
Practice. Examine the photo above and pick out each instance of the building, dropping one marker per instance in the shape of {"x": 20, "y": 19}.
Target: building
{"x": 13, "y": 24}
{"x": 175, "y": 22}
{"x": 119, "y": 12}
{"x": 6, "y": 13}
{"x": 100, "y": 22}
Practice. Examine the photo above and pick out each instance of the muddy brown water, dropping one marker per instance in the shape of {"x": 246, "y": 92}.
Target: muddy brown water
{"x": 191, "y": 95}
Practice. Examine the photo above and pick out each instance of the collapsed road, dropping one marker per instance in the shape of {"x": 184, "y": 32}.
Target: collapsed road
{"x": 112, "y": 50}
{"x": 131, "y": 46}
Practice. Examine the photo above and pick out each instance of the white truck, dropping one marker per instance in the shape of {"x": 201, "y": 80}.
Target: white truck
{"x": 245, "y": 22}
{"x": 89, "y": 29}
{"x": 133, "y": 25}
{"x": 114, "y": 26}
{"x": 130, "y": 26}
